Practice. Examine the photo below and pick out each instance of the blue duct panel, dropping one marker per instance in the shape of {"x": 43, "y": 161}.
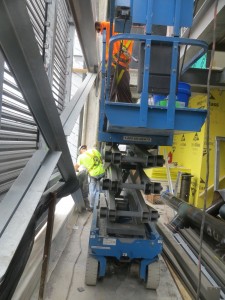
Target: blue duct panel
{"x": 125, "y": 3}
{"x": 163, "y": 12}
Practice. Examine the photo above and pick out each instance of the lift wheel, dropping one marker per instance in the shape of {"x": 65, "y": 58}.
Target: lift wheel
{"x": 91, "y": 274}
{"x": 153, "y": 276}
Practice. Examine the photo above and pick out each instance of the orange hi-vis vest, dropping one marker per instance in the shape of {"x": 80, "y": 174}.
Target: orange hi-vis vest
{"x": 122, "y": 53}
{"x": 122, "y": 50}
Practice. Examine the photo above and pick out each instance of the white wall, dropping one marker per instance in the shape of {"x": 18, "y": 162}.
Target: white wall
{"x": 77, "y": 79}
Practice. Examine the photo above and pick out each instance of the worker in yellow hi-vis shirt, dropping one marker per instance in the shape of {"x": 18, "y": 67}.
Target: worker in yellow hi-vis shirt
{"x": 91, "y": 159}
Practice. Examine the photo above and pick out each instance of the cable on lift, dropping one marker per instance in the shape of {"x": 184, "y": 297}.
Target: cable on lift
{"x": 207, "y": 150}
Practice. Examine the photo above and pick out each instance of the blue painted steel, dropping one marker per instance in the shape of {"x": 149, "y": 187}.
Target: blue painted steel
{"x": 102, "y": 265}
{"x": 163, "y": 12}
{"x": 126, "y": 123}
{"x": 148, "y": 118}
{"x": 124, "y": 3}
{"x": 127, "y": 248}
{"x": 173, "y": 83}
{"x": 150, "y": 13}
{"x": 127, "y": 115}
{"x": 130, "y": 138}
{"x": 147, "y": 39}
{"x": 143, "y": 117}
{"x": 178, "y": 16}
{"x": 145, "y": 250}
{"x": 143, "y": 267}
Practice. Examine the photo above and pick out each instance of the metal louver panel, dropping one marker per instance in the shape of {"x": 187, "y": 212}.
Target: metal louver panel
{"x": 36, "y": 11}
{"x": 60, "y": 54}
{"x": 18, "y": 131}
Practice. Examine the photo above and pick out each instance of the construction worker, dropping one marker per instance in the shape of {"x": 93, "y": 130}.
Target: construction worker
{"x": 82, "y": 177}
{"x": 92, "y": 161}
{"x": 121, "y": 57}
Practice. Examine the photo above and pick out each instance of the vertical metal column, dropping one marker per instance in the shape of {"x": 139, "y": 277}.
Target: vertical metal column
{"x": 50, "y": 34}
{"x": 69, "y": 61}
{"x": 144, "y": 95}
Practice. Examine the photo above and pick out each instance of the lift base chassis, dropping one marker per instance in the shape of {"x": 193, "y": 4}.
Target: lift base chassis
{"x": 111, "y": 242}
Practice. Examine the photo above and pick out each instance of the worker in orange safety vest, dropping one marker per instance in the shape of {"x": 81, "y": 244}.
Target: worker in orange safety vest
{"x": 121, "y": 57}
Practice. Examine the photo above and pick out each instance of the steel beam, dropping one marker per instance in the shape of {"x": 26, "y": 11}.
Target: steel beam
{"x": 72, "y": 111}
{"x": 69, "y": 60}
{"x": 29, "y": 186}
{"x": 202, "y": 28}
{"x": 189, "y": 268}
{"x": 198, "y": 78}
{"x": 13, "y": 198}
{"x": 84, "y": 19}
{"x": 20, "y": 48}
{"x": 214, "y": 265}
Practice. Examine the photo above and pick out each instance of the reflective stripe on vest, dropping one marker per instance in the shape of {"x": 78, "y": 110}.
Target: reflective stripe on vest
{"x": 94, "y": 162}
{"x": 116, "y": 57}
{"x": 119, "y": 76}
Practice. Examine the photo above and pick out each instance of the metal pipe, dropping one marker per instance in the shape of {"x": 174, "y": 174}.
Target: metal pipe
{"x": 193, "y": 215}
{"x": 222, "y": 212}
{"x": 213, "y": 210}
{"x": 185, "y": 186}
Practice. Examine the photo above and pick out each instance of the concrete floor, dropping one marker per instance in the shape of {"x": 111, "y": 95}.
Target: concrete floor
{"x": 67, "y": 280}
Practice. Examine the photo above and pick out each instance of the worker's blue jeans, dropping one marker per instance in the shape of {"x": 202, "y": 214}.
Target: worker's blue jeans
{"x": 94, "y": 191}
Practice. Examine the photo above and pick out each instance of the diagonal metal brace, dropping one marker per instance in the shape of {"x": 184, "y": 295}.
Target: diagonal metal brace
{"x": 20, "y": 49}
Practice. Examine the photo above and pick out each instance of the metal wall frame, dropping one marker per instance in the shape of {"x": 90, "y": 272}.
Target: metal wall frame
{"x": 19, "y": 134}
{"x": 38, "y": 52}
{"x": 36, "y": 40}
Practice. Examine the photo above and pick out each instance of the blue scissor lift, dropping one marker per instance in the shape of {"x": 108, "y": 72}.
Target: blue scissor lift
{"x": 123, "y": 225}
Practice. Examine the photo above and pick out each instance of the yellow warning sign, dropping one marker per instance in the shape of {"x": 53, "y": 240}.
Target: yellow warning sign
{"x": 190, "y": 150}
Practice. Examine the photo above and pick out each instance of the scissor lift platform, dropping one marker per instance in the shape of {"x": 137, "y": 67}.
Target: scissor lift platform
{"x": 128, "y": 123}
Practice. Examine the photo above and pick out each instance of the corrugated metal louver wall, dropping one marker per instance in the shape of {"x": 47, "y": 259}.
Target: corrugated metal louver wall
{"x": 18, "y": 131}
{"x": 60, "y": 54}
{"x": 36, "y": 10}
